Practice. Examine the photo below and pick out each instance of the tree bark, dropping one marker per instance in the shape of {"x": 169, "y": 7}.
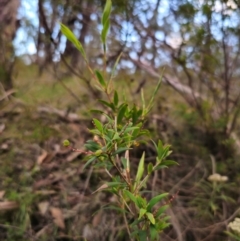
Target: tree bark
{"x": 8, "y": 26}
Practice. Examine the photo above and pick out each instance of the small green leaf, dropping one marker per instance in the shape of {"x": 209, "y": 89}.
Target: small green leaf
{"x": 150, "y": 168}
{"x": 121, "y": 113}
{"x": 66, "y": 143}
{"x": 140, "y": 169}
{"x": 115, "y": 65}
{"x": 130, "y": 195}
{"x": 72, "y": 38}
{"x": 98, "y": 111}
{"x": 151, "y": 218}
{"x": 142, "y": 235}
{"x": 153, "y": 232}
{"x": 161, "y": 210}
{"x": 142, "y": 211}
{"x": 116, "y": 184}
{"x": 169, "y": 163}
{"x": 155, "y": 200}
{"x": 100, "y": 78}
{"x": 143, "y": 102}
{"x": 150, "y": 105}
{"x": 98, "y": 153}
{"x": 98, "y": 125}
{"x": 106, "y": 11}
{"x": 116, "y": 136}
{"x": 141, "y": 202}
{"x": 120, "y": 150}
{"x": 110, "y": 105}
{"x": 104, "y": 33}
{"x": 89, "y": 162}
{"x": 115, "y": 98}
{"x": 128, "y": 129}
{"x": 92, "y": 146}
{"x": 124, "y": 162}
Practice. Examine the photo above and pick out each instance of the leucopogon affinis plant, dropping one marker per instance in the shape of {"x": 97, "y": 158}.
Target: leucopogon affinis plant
{"x": 112, "y": 143}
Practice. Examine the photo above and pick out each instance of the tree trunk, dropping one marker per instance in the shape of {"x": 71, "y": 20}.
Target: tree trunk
{"x": 8, "y": 26}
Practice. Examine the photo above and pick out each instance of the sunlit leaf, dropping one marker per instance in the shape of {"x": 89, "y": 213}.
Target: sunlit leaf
{"x": 151, "y": 218}
{"x": 130, "y": 195}
{"x": 142, "y": 211}
{"x": 72, "y": 38}
{"x": 140, "y": 169}
{"x": 98, "y": 125}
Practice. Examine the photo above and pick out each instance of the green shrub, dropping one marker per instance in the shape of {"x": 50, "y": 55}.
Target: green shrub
{"x": 113, "y": 141}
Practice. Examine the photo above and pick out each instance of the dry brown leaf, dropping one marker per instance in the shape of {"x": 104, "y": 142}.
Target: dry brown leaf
{"x": 58, "y": 217}
{"x": 42, "y": 157}
{"x": 2, "y": 193}
{"x": 8, "y": 205}
{"x": 2, "y": 127}
{"x": 43, "y": 207}
{"x": 4, "y": 146}
{"x": 104, "y": 186}
{"x": 97, "y": 219}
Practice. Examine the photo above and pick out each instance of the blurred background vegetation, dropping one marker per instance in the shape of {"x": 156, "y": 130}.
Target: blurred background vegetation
{"x": 46, "y": 93}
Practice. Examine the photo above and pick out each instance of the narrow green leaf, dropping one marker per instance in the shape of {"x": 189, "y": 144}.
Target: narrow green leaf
{"x": 150, "y": 105}
{"x": 160, "y": 145}
{"x": 106, "y": 11}
{"x": 141, "y": 202}
{"x": 111, "y": 207}
{"x": 115, "y": 184}
{"x": 151, "y": 218}
{"x": 155, "y": 145}
{"x": 142, "y": 211}
{"x": 124, "y": 162}
{"x": 169, "y": 163}
{"x": 143, "y": 102}
{"x": 153, "y": 232}
{"x": 142, "y": 235}
{"x": 140, "y": 169}
{"x": 115, "y": 98}
{"x": 161, "y": 210}
{"x": 104, "y": 33}
{"x": 120, "y": 150}
{"x": 89, "y": 162}
{"x": 116, "y": 136}
{"x": 128, "y": 129}
{"x": 97, "y": 111}
{"x": 160, "y": 166}
{"x": 92, "y": 146}
{"x": 110, "y": 105}
{"x": 150, "y": 168}
{"x": 72, "y": 38}
{"x": 130, "y": 195}
{"x": 98, "y": 125}
{"x": 100, "y": 78}
{"x": 134, "y": 115}
{"x": 155, "y": 200}
{"x": 115, "y": 65}
{"x": 121, "y": 113}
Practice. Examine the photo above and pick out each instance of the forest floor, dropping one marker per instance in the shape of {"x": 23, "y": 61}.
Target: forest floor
{"x": 44, "y": 192}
